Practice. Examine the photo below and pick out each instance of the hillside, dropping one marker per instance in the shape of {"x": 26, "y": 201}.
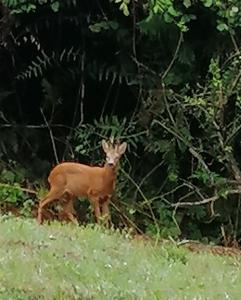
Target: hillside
{"x": 69, "y": 262}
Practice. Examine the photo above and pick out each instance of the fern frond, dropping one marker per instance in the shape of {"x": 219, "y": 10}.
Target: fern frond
{"x": 68, "y": 55}
{"x": 37, "y": 67}
{"x": 105, "y": 72}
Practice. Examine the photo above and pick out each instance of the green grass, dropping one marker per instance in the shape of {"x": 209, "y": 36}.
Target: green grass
{"x": 69, "y": 262}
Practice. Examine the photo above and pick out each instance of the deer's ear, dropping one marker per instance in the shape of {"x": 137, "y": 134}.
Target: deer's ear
{"x": 122, "y": 148}
{"x": 105, "y": 146}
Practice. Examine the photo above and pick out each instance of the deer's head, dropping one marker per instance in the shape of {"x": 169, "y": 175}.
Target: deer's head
{"x": 113, "y": 151}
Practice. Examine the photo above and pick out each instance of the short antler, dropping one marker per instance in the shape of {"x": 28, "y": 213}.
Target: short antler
{"x": 112, "y": 139}
{"x": 117, "y": 142}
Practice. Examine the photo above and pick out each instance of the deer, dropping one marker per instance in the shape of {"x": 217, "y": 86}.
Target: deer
{"x": 70, "y": 180}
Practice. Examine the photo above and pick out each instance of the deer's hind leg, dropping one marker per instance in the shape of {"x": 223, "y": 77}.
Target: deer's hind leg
{"x": 53, "y": 195}
{"x": 68, "y": 208}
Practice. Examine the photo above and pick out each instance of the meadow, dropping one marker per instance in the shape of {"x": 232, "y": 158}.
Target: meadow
{"x": 63, "y": 261}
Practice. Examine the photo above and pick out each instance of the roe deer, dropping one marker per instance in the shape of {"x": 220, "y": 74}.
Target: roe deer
{"x": 69, "y": 180}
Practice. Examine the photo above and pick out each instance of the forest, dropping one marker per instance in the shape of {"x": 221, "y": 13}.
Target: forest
{"x": 161, "y": 75}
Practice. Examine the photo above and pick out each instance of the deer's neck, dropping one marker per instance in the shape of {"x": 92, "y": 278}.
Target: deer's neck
{"x": 110, "y": 176}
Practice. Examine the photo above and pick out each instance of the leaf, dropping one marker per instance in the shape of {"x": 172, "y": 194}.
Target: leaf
{"x": 98, "y": 27}
{"x": 95, "y": 28}
{"x": 132, "y": 211}
{"x": 222, "y": 27}
{"x": 187, "y": 3}
{"x": 168, "y": 18}
{"x": 224, "y": 193}
{"x": 55, "y": 6}
{"x": 208, "y": 3}
{"x": 172, "y": 11}
{"x": 234, "y": 9}
{"x": 30, "y": 8}
{"x": 124, "y": 8}
{"x": 8, "y": 176}
{"x": 172, "y": 177}
{"x": 156, "y": 9}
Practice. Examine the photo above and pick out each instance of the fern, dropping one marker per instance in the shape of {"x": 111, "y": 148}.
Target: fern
{"x": 102, "y": 71}
{"x": 119, "y": 128}
{"x": 68, "y": 55}
{"x": 43, "y": 61}
{"x": 69, "y": 3}
{"x": 37, "y": 67}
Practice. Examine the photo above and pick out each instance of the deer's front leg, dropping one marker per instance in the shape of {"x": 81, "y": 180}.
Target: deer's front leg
{"x": 96, "y": 208}
{"x": 106, "y": 212}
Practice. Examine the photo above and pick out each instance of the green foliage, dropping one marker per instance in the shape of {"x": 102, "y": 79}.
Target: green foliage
{"x": 22, "y": 6}
{"x": 176, "y": 255}
{"x": 123, "y": 6}
{"x": 10, "y": 187}
{"x": 167, "y": 11}
{"x": 229, "y": 15}
{"x": 36, "y": 68}
{"x": 206, "y": 177}
{"x": 11, "y": 194}
{"x": 27, "y": 207}
{"x": 182, "y": 130}
{"x": 104, "y": 25}
{"x": 172, "y": 136}
{"x": 104, "y": 129}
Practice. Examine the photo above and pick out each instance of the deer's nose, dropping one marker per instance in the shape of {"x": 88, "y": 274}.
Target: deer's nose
{"x": 110, "y": 164}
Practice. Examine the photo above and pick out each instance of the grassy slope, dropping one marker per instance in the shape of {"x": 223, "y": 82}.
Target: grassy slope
{"x": 70, "y": 262}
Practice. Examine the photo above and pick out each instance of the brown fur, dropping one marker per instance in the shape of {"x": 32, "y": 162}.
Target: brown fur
{"x": 70, "y": 180}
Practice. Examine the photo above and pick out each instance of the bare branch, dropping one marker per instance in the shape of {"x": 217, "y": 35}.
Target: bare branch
{"x": 204, "y": 201}
{"x": 145, "y": 199}
{"x": 234, "y": 42}
{"x": 5, "y": 185}
{"x": 40, "y": 126}
{"x": 145, "y": 67}
{"x": 199, "y": 158}
{"x": 180, "y": 40}
{"x": 51, "y": 136}
{"x": 148, "y": 175}
{"x": 134, "y": 28}
{"x": 191, "y": 149}
{"x": 234, "y": 84}
{"x": 126, "y": 217}
{"x": 151, "y": 71}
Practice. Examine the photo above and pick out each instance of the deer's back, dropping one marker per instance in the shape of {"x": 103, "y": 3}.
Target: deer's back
{"x": 78, "y": 179}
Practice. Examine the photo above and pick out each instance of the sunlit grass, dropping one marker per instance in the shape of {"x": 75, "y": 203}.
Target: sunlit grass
{"x": 69, "y": 262}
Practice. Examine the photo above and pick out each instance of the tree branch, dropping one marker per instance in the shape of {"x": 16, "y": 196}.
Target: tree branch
{"x": 51, "y": 136}
{"x": 5, "y": 185}
{"x": 180, "y": 40}
{"x": 204, "y": 201}
{"x": 30, "y": 126}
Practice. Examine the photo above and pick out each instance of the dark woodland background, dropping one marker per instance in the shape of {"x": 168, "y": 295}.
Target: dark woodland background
{"x": 162, "y": 75}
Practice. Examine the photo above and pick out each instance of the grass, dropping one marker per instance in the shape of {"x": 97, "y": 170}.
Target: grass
{"x": 70, "y": 262}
